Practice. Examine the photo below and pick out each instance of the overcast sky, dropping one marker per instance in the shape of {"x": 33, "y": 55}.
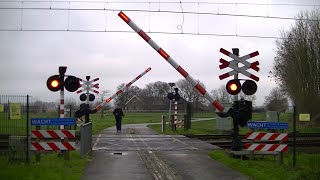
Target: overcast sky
{"x": 28, "y": 58}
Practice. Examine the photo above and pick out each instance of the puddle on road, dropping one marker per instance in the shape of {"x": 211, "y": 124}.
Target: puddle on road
{"x": 118, "y": 153}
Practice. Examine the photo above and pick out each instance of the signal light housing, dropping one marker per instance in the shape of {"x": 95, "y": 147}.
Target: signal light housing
{"x": 249, "y": 87}
{"x": 176, "y": 95}
{"x": 54, "y": 83}
{"x": 233, "y": 87}
{"x": 72, "y": 83}
{"x": 170, "y": 96}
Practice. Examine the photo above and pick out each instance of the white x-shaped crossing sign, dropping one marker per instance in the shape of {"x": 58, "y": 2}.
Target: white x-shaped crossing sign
{"x": 236, "y": 69}
{"x": 88, "y": 85}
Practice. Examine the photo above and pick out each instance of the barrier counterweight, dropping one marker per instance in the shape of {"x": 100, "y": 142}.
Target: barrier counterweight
{"x": 156, "y": 47}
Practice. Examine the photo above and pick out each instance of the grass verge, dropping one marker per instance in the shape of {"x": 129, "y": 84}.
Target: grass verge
{"x": 268, "y": 168}
{"x": 50, "y": 167}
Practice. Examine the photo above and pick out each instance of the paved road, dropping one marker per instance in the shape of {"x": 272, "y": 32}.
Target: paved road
{"x": 140, "y": 153}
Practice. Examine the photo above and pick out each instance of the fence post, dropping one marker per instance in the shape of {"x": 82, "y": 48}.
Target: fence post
{"x": 28, "y": 137}
{"x": 163, "y": 118}
{"x": 294, "y": 136}
{"x": 189, "y": 114}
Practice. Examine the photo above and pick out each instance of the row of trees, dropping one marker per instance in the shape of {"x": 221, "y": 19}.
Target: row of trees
{"x": 159, "y": 90}
{"x": 296, "y": 66}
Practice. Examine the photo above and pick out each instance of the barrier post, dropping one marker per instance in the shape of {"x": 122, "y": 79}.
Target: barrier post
{"x": 37, "y": 152}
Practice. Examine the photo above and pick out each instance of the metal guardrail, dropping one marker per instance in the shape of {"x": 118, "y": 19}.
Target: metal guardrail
{"x": 85, "y": 139}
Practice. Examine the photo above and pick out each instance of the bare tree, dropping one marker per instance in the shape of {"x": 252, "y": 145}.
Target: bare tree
{"x": 102, "y": 98}
{"x": 189, "y": 93}
{"x": 222, "y": 95}
{"x": 276, "y": 100}
{"x": 297, "y": 63}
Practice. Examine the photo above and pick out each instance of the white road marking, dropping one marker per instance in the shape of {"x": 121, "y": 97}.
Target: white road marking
{"x": 97, "y": 140}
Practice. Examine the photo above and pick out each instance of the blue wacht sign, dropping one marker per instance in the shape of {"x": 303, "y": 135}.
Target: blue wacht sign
{"x": 267, "y": 125}
{"x": 53, "y": 121}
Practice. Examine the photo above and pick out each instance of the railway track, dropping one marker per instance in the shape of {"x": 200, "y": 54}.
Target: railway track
{"x": 304, "y": 140}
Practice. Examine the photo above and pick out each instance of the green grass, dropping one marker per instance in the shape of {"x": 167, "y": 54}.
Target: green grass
{"x": 199, "y": 127}
{"x": 268, "y": 168}
{"x": 204, "y": 115}
{"x": 51, "y": 167}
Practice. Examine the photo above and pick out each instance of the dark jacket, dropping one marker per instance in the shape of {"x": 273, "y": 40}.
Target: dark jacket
{"x": 118, "y": 113}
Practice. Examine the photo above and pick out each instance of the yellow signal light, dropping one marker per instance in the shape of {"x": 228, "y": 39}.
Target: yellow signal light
{"x": 233, "y": 87}
{"x": 54, "y": 83}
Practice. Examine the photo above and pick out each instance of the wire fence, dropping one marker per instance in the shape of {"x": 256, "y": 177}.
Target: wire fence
{"x": 14, "y": 128}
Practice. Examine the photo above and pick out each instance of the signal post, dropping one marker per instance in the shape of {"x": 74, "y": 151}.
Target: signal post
{"x": 241, "y": 110}
{"x": 56, "y": 83}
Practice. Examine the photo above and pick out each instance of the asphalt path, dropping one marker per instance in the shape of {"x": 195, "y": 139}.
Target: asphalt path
{"x": 138, "y": 152}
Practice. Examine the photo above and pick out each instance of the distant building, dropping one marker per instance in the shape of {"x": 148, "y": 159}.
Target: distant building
{"x": 135, "y": 104}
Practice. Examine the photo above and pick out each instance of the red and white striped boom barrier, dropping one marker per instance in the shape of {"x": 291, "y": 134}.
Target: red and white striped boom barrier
{"x": 55, "y": 134}
{"x": 267, "y": 147}
{"x": 267, "y": 137}
{"x": 122, "y": 89}
{"x": 53, "y": 146}
{"x": 170, "y": 60}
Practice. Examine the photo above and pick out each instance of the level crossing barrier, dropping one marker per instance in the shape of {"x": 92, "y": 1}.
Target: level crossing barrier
{"x": 264, "y": 147}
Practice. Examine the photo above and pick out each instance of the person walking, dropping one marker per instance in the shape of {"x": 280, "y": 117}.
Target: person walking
{"x": 118, "y": 113}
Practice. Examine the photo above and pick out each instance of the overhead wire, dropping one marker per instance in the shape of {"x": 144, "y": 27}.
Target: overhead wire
{"x": 151, "y": 32}
{"x": 158, "y": 11}
{"x": 180, "y": 26}
{"x": 162, "y": 2}
{"x": 148, "y": 11}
